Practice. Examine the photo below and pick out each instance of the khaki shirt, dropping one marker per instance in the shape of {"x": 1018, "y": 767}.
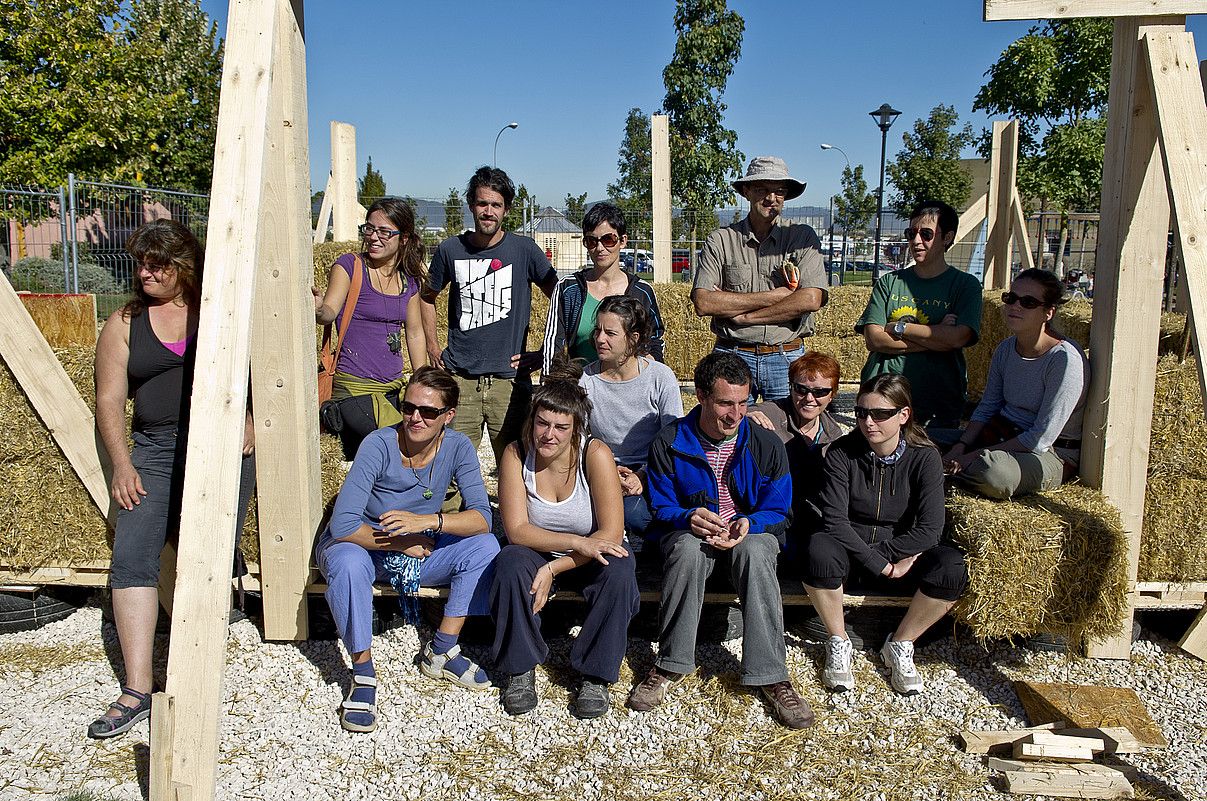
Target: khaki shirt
{"x": 737, "y": 262}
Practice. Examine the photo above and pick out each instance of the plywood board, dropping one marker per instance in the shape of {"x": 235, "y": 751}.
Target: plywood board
{"x": 64, "y": 320}
{"x": 1090, "y": 707}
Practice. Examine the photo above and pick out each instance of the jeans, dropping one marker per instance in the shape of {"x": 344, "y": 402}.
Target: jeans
{"x": 770, "y": 371}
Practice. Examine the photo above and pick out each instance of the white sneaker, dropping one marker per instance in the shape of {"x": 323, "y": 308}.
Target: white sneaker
{"x": 899, "y": 659}
{"x": 837, "y": 675}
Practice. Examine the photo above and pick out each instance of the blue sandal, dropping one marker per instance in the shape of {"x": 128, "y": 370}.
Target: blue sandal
{"x": 110, "y": 726}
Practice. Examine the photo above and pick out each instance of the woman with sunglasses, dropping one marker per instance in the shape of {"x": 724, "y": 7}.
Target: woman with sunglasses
{"x": 388, "y": 524}
{"x": 804, "y": 424}
{"x": 1025, "y": 435}
{"x": 882, "y": 503}
{"x": 559, "y": 496}
{"x": 632, "y": 398}
{"x": 575, "y": 302}
{"x": 370, "y": 351}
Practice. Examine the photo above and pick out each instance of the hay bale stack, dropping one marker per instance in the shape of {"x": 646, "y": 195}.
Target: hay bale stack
{"x": 1174, "y": 542}
{"x": 1054, "y": 562}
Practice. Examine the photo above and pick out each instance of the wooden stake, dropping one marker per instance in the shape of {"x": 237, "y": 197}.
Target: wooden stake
{"x": 284, "y": 386}
{"x": 209, "y": 506}
{"x": 342, "y": 187}
{"x": 660, "y": 166}
{"x": 163, "y": 727}
{"x": 1127, "y": 299}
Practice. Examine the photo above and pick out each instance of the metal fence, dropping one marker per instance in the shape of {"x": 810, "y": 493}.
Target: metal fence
{"x": 73, "y": 238}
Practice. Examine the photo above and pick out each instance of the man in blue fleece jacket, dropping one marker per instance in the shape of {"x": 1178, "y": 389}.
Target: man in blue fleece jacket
{"x": 721, "y": 492}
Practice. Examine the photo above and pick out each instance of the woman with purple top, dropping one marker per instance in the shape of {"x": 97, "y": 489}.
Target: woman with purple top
{"x": 1025, "y": 435}
{"x": 370, "y": 351}
{"x": 388, "y": 525}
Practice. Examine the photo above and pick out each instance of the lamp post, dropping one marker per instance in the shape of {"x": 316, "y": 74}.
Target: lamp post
{"x": 494, "y": 162}
{"x": 843, "y": 259}
{"x": 884, "y": 117}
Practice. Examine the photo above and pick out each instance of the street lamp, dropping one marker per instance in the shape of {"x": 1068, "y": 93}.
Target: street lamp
{"x": 495, "y": 161}
{"x": 843, "y": 260}
{"x": 884, "y": 117}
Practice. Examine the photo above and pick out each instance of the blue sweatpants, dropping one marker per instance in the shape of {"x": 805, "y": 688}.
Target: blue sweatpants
{"x": 463, "y": 564}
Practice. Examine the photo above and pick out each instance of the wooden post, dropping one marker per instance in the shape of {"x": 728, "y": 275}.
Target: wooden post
{"x": 1019, "y": 229}
{"x": 1002, "y": 173}
{"x": 1127, "y": 298}
{"x": 209, "y": 505}
{"x": 284, "y": 386}
{"x": 163, "y": 727}
{"x": 343, "y": 182}
{"x": 660, "y": 165}
{"x": 324, "y": 221}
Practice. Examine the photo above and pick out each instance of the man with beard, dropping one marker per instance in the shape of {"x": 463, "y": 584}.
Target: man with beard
{"x": 489, "y": 306}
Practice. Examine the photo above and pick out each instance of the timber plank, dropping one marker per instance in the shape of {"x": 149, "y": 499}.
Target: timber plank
{"x": 1067, "y": 785}
{"x": 997, "y": 10}
{"x": 660, "y": 189}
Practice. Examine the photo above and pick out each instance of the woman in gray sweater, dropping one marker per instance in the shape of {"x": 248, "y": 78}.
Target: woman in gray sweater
{"x": 1025, "y": 435}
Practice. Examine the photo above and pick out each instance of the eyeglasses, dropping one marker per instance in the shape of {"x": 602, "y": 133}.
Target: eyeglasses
{"x": 152, "y": 267}
{"x": 607, "y": 240}
{"x": 879, "y": 415}
{"x": 426, "y": 412}
{"x": 816, "y": 392}
{"x": 763, "y": 190}
{"x": 927, "y": 234}
{"x": 1026, "y": 301}
{"x": 385, "y": 234}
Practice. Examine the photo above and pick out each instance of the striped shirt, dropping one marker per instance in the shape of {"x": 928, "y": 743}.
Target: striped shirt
{"x": 720, "y": 457}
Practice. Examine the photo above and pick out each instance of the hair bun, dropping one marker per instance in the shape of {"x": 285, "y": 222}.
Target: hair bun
{"x": 564, "y": 369}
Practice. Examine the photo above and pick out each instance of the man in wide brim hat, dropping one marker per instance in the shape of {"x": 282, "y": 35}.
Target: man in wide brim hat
{"x": 770, "y": 169}
{"x": 761, "y": 279}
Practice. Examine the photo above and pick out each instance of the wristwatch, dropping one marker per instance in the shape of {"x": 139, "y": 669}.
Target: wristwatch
{"x": 899, "y": 329}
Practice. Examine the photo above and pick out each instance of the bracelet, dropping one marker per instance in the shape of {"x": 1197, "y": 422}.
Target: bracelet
{"x": 439, "y": 522}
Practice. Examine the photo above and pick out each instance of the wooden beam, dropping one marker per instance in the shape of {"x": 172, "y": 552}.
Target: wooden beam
{"x": 1127, "y": 298}
{"x": 1194, "y": 641}
{"x": 209, "y": 506}
{"x": 54, "y": 397}
{"x": 996, "y": 10}
{"x": 1022, "y": 243}
{"x": 660, "y": 166}
{"x": 324, "y": 221}
{"x": 1062, "y": 784}
{"x": 1182, "y": 131}
{"x": 1003, "y": 169}
{"x": 163, "y": 728}
{"x": 972, "y": 217}
{"x": 284, "y": 386}
{"x": 343, "y": 182}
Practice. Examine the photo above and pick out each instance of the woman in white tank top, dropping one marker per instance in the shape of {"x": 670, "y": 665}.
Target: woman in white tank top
{"x": 560, "y": 500}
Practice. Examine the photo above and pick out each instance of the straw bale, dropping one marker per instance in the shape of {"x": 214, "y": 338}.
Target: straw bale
{"x": 843, "y": 308}
{"x": 1174, "y": 543}
{"x": 1054, "y": 562}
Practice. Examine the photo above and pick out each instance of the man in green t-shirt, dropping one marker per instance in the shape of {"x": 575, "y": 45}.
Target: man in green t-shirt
{"x": 919, "y": 320}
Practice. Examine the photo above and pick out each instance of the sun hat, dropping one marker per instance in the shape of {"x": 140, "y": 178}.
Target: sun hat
{"x": 770, "y": 168}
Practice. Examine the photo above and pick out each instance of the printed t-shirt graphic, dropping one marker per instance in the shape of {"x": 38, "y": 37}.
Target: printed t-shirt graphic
{"x": 485, "y": 291}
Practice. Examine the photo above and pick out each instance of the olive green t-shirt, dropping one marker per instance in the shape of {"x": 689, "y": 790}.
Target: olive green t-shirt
{"x": 938, "y": 378}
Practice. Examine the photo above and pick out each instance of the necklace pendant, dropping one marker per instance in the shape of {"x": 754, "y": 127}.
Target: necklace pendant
{"x": 427, "y": 495}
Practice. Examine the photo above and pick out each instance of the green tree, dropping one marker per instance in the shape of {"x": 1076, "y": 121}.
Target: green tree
{"x": 454, "y": 219}
{"x": 856, "y": 206}
{"x": 703, "y": 151}
{"x": 372, "y": 186}
{"x": 176, "y": 49}
{"x": 928, "y": 166}
{"x": 515, "y": 215}
{"x": 576, "y": 207}
{"x": 90, "y": 90}
{"x": 633, "y": 186}
{"x": 1055, "y": 81}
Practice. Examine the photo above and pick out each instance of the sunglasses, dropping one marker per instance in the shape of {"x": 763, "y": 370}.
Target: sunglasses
{"x": 607, "y": 240}
{"x": 385, "y": 234}
{"x": 1026, "y": 301}
{"x": 426, "y": 412}
{"x": 816, "y": 392}
{"x": 879, "y": 415}
{"x": 927, "y": 234}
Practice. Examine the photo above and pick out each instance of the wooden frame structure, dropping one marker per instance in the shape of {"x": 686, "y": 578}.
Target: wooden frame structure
{"x": 1156, "y": 148}
{"x": 1003, "y": 207}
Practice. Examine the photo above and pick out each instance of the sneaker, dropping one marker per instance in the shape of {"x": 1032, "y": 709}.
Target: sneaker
{"x": 837, "y": 675}
{"x": 899, "y": 659}
{"x": 520, "y": 695}
{"x": 592, "y": 701}
{"x": 787, "y": 707}
{"x": 652, "y": 690}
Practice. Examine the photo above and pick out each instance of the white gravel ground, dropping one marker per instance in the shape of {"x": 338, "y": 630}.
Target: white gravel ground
{"x": 281, "y": 738}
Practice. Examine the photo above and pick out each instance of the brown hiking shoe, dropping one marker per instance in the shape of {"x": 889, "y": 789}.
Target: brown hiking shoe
{"x": 652, "y": 690}
{"x": 787, "y": 707}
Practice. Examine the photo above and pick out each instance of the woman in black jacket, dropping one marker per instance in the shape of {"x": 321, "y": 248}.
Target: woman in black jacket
{"x": 882, "y": 504}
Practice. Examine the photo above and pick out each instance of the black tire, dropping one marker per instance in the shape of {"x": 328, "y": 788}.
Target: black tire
{"x": 22, "y": 611}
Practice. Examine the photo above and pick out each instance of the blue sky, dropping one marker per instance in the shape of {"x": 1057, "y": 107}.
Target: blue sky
{"x": 428, "y": 85}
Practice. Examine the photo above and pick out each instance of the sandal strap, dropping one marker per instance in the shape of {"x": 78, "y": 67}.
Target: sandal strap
{"x": 451, "y": 653}
{"x": 142, "y": 697}
{"x": 364, "y": 681}
{"x": 120, "y": 707}
{"x": 349, "y": 705}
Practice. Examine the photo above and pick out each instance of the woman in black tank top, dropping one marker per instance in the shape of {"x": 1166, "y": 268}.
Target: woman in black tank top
{"x": 145, "y": 351}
